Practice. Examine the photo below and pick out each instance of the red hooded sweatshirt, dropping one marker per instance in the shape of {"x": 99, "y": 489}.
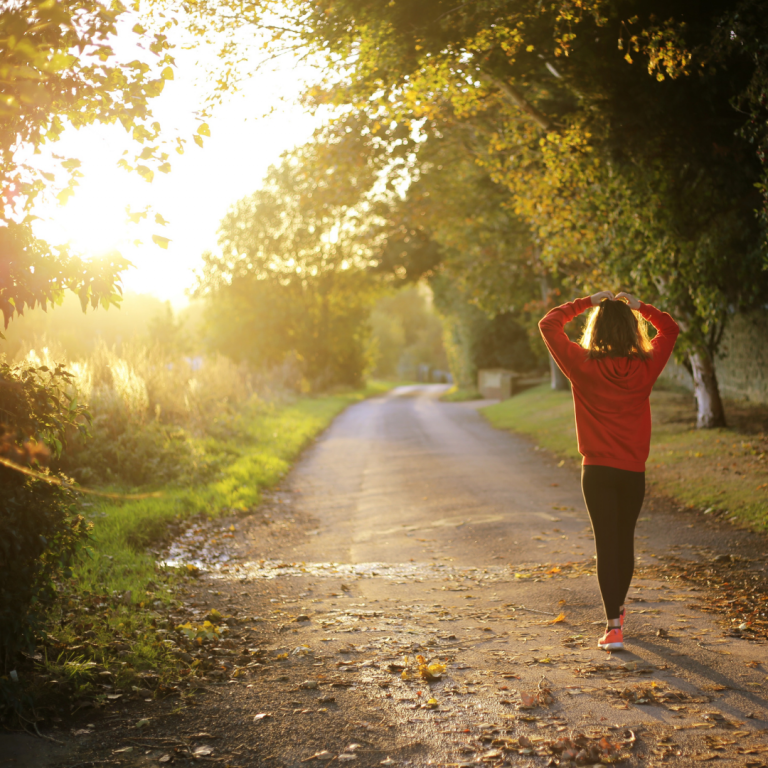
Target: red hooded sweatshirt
{"x": 610, "y": 394}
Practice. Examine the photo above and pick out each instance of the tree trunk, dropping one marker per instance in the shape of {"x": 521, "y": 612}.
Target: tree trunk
{"x": 559, "y": 382}
{"x": 557, "y": 377}
{"x": 709, "y": 405}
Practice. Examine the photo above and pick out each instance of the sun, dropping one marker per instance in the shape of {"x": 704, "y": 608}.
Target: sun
{"x": 94, "y": 223}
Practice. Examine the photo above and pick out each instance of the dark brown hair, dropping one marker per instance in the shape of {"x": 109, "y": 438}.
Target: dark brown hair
{"x": 615, "y": 330}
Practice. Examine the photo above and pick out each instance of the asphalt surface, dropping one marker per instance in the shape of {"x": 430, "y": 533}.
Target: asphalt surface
{"x": 443, "y": 530}
{"x": 411, "y": 527}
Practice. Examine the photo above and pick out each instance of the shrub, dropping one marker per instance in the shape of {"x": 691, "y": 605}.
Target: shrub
{"x": 40, "y": 532}
{"x": 39, "y": 527}
{"x": 149, "y": 407}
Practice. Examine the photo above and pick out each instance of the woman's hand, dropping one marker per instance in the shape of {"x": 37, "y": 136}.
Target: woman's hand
{"x": 631, "y": 300}
{"x": 599, "y": 296}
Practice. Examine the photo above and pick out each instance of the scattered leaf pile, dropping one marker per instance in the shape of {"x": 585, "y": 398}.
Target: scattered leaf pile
{"x": 655, "y": 693}
{"x": 565, "y": 751}
{"x": 739, "y": 593}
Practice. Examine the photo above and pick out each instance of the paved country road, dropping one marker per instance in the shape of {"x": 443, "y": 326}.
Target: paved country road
{"x": 412, "y": 528}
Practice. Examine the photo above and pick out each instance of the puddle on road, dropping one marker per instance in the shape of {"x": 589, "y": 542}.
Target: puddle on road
{"x": 206, "y": 548}
{"x": 225, "y": 567}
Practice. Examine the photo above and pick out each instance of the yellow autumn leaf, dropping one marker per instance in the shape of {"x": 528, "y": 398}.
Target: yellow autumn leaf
{"x": 560, "y": 617}
{"x": 436, "y": 669}
{"x": 161, "y": 241}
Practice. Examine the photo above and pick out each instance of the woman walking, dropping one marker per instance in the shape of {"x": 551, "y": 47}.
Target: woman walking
{"x": 612, "y": 373}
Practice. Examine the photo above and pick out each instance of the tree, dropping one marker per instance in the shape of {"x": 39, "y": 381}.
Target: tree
{"x": 406, "y": 333}
{"x": 454, "y": 226}
{"x": 59, "y": 69}
{"x": 597, "y": 153}
{"x": 292, "y": 277}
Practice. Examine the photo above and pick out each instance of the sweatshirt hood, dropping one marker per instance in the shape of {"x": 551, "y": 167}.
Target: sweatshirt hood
{"x": 620, "y": 370}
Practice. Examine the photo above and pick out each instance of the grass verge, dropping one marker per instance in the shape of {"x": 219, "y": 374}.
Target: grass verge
{"x": 108, "y": 637}
{"x": 457, "y": 395}
{"x": 722, "y": 469}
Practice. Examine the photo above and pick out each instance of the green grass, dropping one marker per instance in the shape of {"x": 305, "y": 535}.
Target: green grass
{"x": 457, "y": 395}
{"x": 724, "y": 469}
{"x": 261, "y": 453}
{"x": 118, "y": 579}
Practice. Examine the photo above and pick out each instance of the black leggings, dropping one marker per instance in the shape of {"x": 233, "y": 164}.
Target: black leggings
{"x": 613, "y": 498}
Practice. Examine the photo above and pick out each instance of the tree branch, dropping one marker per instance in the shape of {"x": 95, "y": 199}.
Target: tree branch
{"x": 515, "y": 97}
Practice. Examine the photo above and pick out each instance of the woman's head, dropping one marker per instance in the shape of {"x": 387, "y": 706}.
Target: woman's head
{"x": 614, "y": 330}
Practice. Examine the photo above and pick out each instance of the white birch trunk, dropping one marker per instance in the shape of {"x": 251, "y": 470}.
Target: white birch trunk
{"x": 709, "y": 406}
{"x": 558, "y": 379}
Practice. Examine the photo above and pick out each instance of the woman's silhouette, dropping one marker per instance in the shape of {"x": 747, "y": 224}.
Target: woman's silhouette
{"x": 612, "y": 372}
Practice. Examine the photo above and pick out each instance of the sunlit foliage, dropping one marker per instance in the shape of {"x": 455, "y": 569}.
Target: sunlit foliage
{"x": 60, "y": 69}
{"x": 406, "y": 333}
{"x": 291, "y": 279}
{"x": 610, "y": 124}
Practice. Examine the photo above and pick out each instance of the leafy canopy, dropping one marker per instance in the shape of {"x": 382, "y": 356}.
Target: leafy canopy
{"x": 61, "y": 69}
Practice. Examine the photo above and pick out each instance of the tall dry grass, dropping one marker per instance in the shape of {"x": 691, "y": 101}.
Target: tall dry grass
{"x": 151, "y": 410}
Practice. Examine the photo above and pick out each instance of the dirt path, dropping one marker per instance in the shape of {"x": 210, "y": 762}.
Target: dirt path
{"x": 413, "y": 529}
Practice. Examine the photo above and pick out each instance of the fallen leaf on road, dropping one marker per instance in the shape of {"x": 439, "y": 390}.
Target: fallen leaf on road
{"x": 527, "y": 700}
{"x": 261, "y": 716}
{"x": 203, "y": 751}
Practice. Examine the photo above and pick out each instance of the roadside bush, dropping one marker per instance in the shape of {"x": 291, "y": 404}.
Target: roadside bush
{"x": 151, "y": 412}
{"x": 40, "y": 530}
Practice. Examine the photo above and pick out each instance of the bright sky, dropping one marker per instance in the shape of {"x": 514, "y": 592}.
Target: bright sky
{"x": 195, "y": 195}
